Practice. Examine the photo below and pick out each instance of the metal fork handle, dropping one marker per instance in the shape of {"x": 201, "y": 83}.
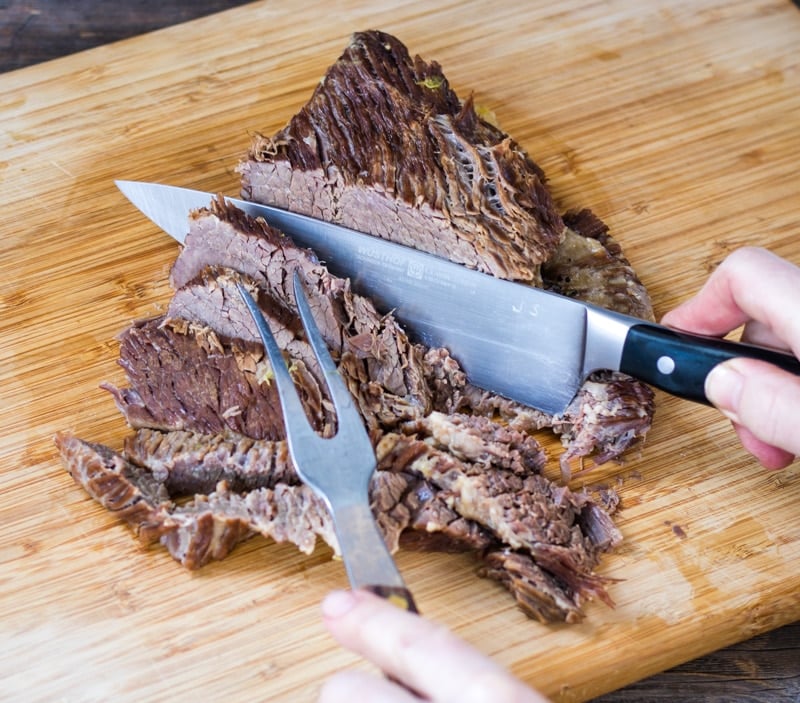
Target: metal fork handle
{"x": 366, "y": 557}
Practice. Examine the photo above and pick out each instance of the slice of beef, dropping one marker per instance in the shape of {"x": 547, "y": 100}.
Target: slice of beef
{"x": 136, "y": 496}
{"x": 128, "y": 491}
{"x": 285, "y": 514}
{"x": 292, "y": 513}
{"x": 538, "y": 593}
{"x": 385, "y": 146}
{"x": 211, "y": 299}
{"x": 382, "y": 368}
{"x": 610, "y": 413}
{"x": 589, "y": 265}
{"x": 184, "y": 376}
{"x": 189, "y": 463}
{"x": 562, "y": 531}
{"x": 209, "y": 526}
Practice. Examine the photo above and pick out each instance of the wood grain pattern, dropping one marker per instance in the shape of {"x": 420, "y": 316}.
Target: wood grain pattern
{"x": 677, "y": 123}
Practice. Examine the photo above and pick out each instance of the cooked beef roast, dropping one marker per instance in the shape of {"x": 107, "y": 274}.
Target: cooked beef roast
{"x": 384, "y": 146}
{"x": 414, "y": 164}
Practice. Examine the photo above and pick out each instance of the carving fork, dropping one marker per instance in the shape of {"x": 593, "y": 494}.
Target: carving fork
{"x": 338, "y": 468}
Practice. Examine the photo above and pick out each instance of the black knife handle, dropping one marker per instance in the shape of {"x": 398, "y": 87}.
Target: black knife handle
{"x": 678, "y": 362}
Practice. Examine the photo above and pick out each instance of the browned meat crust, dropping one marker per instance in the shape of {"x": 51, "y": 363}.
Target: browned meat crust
{"x": 128, "y": 491}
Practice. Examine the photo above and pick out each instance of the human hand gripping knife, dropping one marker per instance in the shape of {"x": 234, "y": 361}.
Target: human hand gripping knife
{"x": 337, "y": 468}
{"x": 527, "y": 344}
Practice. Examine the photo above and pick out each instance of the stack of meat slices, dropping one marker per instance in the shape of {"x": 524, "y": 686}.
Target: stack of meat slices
{"x": 385, "y": 146}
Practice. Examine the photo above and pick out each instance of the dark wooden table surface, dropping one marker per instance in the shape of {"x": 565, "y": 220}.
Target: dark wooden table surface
{"x": 766, "y": 668}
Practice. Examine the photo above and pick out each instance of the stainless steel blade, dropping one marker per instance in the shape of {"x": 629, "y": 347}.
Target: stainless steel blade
{"x": 515, "y": 340}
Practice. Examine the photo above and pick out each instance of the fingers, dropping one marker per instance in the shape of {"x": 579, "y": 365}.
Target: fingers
{"x": 763, "y": 401}
{"x": 424, "y": 656}
{"x": 751, "y": 284}
{"x": 350, "y": 686}
{"x": 757, "y": 289}
{"x": 768, "y": 456}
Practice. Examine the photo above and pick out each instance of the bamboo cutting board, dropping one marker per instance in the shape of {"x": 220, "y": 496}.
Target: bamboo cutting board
{"x": 677, "y": 122}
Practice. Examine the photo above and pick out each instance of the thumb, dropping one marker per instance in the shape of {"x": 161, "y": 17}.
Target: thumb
{"x": 762, "y": 399}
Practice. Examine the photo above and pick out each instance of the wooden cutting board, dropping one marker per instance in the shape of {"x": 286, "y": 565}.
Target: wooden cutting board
{"x": 677, "y": 122}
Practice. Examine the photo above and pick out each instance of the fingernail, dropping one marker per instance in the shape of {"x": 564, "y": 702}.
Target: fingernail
{"x": 338, "y": 603}
{"x": 724, "y": 388}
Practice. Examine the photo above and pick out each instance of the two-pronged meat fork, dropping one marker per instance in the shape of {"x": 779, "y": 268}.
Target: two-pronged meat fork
{"x": 338, "y": 468}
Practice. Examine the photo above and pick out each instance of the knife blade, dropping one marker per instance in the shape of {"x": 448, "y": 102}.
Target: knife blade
{"x": 530, "y": 345}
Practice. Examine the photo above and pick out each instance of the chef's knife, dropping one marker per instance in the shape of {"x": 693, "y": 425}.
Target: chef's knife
{"x": 527, "y": 344}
